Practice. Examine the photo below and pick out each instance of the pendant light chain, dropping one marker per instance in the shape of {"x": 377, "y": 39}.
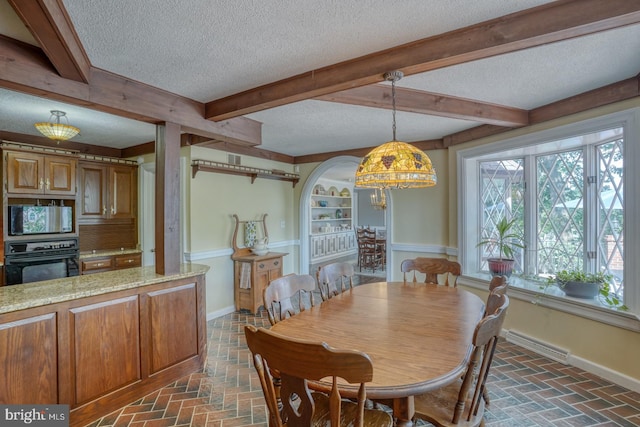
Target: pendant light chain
{"x": 393, "y": 77}
{"x": 393, "y": 101}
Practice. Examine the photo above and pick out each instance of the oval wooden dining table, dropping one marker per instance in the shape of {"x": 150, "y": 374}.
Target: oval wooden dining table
{"x": 418, "y": 336}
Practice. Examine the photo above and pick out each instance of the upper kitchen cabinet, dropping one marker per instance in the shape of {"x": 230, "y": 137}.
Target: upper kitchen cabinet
{"x": 106, "y": 191}
{"x": 40, "y": 174}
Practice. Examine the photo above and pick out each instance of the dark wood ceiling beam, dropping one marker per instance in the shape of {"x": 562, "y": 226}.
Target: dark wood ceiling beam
{"x": 610, "y": 94}
{"x": 431, "y": 144}
{"x": 26, "y": 69}
{"x": 48, "y": 22}
{"x": 541, "y": 25}
{"x": 416, "y": 101}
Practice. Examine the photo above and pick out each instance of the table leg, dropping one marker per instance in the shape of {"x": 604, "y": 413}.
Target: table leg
{"x": 403, "y": 411}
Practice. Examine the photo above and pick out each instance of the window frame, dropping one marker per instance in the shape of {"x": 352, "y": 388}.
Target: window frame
{"x": 547, "y": 141}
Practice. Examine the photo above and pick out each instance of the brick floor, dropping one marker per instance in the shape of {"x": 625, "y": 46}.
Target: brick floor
{"x": 525, "y": 389}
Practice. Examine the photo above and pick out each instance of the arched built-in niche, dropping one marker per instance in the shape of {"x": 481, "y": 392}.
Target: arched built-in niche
{"x": 305, "y": 205}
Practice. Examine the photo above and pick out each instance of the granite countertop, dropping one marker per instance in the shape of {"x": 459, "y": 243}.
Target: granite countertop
{"x": 97, "y": 254}
{"x": 29, "y": 295}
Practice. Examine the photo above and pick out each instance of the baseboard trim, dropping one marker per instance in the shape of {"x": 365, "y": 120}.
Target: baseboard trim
{"x": 591, "y": 367}
{"x": 219, "y": 313}
{"x": 606, "y": 373}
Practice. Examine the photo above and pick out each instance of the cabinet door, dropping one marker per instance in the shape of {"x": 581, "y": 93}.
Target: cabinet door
{"x": 60, "y": 175}
{"x": 122, "y": 192}
{"x": 93, "y": 190}
{"x": 106, "y": 352}
{"x": 174, "y": 328}
{"x": 28, "y": 360}
{"x": 317, "y": 246}
{"x": 331, "y": 244}
{"x": 25, "y": 173}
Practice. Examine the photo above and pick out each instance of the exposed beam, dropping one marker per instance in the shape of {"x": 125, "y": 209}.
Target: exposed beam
{"x": 416, "y": 101}
{"x": 27, "y": 69}
{"x": 615, "y": 92}
{"x": 51, "y": 27}
{"x": 434, "y": 144}
{"x": 537, "y": 26}
{"x": 610, "y": 94}
{"x": 188, "y": 139}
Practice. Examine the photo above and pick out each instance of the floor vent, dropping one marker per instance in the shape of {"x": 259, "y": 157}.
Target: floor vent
{"x": 542, "y": 348}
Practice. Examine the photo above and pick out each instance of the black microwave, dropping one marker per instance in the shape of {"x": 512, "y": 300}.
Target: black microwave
{"x": 28, "y": 219}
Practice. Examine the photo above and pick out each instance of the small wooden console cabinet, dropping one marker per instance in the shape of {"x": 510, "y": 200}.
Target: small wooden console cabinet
{"x": 252, "y": 273}
{"x": 262, "y": 270}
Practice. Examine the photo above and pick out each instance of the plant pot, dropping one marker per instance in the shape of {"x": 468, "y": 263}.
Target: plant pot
{"x": 580, "y": 289}
{"x": 500, "y": 266}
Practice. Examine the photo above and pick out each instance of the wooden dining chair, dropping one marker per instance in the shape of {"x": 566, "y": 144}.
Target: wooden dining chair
{"x": 370, "y": 252}
{"x": 279, "y": 296}
{"x": 298, "y": 362}
{"x": 433, "y": 269}
{"x": 460, "y": 403}
{"x": 497, "y": 281}
{"x": 335, "y": 278}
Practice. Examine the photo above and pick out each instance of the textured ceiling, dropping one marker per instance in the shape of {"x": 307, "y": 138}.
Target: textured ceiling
{"x": 206, "y": 49}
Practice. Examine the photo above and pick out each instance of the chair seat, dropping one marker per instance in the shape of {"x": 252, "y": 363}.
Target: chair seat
{"x": 438, "y": 406}
{"x": 372, "y": 417}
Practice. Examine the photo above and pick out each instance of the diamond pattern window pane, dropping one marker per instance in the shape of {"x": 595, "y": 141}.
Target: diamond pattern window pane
{"x": 502, "y": 194}
{"x": 610, "y": 253}
{"x": 560, "y": 212}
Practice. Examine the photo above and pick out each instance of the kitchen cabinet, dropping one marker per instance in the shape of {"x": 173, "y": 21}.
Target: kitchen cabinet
{"x": 40, "y": 174}
{"x": 99, "y": 263}
{"x": 94, "y": 353}
{"x": 106, "y": 191}
{"x": 252, "y": 274}
{"x": 30, "y": 350}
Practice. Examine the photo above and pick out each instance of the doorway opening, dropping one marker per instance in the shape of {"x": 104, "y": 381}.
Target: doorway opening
{"x": 326, "y": 198}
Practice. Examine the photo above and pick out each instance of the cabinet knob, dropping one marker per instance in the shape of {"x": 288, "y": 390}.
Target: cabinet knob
{"x": 113, "y": 211}
{"x": 276, "y": 263}
{"x": 99, "y": 264}
{"x": 48, "y": 183}
{"x": 41, "y": 183}
{"x": 261, "y": 265}
{"x": 104, "y": 210}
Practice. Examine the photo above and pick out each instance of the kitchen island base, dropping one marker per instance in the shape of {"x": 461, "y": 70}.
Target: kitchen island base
{"x": 102, "y": 352}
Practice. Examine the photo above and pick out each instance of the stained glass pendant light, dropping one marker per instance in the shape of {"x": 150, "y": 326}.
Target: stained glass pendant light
{"x": 55, "y": 130}
{"x": 395, "y": 164}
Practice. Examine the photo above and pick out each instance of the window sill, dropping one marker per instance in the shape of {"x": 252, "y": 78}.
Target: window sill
{"x": 554, "y": 298}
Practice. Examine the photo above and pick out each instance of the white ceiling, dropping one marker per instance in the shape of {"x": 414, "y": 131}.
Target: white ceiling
{"x": 206, "y": 50}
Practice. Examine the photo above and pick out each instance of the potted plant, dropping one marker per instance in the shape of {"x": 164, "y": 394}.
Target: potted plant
{"x": 578, "y": 284}
{"x": 506, "y": 241}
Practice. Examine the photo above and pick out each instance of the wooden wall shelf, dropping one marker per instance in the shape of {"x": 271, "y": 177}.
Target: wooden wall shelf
{"x": 253, "y": 173}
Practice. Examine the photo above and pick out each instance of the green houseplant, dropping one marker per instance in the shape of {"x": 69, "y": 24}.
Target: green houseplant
{"x": 578, "y": 284}
{"x": 505, "y": 240}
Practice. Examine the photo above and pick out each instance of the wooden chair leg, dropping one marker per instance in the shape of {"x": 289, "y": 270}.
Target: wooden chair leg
{"x": 485, "y": 396}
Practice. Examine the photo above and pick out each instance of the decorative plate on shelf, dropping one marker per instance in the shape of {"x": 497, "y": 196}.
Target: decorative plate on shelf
{"x": 345, "y": 192}
{"x": 332, "y": 191}
{"x": 319, "y": 189}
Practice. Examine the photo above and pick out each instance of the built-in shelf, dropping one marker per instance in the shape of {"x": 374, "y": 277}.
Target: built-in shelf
{"x": 253, "y": 173}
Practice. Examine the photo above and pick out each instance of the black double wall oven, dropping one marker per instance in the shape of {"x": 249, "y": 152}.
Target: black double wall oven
{"x": 41, "y": 245}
